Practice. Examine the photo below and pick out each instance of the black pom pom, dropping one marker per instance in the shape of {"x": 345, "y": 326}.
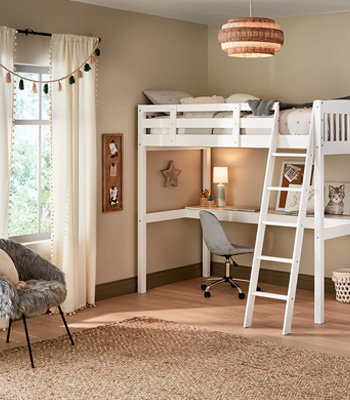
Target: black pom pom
{"x": 21, "y": 85}
{"x": 46, "y": 88}
{"x": 87, "y": 67}
{"x": 97, "y": 52}
{"x": 72, "y": 80}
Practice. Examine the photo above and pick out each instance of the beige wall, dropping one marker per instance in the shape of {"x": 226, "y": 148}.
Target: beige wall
{"x": 138, "y": 52}
{"x": 313, "y": 64}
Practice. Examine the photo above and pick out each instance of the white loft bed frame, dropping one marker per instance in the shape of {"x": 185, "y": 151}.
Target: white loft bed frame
{"x": 331, "y": 130}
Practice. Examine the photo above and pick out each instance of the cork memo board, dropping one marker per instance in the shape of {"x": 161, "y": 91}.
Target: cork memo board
{"x": 112, "y": 170}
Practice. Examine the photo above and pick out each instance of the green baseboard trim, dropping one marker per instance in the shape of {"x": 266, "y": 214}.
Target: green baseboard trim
{"x": 155, "y": 279}
{"x": 279, "y": 278}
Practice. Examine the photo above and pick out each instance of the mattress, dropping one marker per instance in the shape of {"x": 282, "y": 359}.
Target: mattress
{"x": 295, "y": 121}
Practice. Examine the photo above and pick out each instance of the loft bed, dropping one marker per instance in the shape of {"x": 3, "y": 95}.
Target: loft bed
{"x": 205, "y": 126}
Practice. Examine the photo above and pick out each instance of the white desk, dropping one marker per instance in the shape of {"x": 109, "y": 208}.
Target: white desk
{"x": 333, "y": 227}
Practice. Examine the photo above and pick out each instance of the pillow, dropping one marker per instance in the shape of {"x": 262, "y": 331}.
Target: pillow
{"x": 203, "y": 100}
{"x": 165, "y": 96}
{"x": 240, "y": 98}
{"x": 8, "y": 270}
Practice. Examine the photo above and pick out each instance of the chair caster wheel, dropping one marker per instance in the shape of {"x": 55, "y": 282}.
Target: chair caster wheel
{"x": 207, "y": 294}
{"x": 258, "y": 289}
{"x": 203, "y": 286}
{"x": 241, "y": 296}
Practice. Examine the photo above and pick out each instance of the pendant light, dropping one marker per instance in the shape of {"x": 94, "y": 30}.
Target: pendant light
{"x": 251, "y": 37}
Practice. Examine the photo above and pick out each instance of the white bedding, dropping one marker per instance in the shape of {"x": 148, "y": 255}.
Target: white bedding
{"x": 293, "y": 121}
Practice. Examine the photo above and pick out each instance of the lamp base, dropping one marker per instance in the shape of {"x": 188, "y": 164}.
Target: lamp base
{"x": 221, "y": 200}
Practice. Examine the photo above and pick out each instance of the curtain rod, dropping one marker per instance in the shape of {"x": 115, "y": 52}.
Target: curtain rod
{"x": 31, "y": 32}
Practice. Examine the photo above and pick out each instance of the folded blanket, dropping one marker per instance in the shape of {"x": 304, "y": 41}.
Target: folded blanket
{"x": 260, "y": 107}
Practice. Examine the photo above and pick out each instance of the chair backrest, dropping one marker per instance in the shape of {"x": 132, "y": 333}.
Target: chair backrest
{"x": 214, "y": 234}
{"x": 29, "y": 264}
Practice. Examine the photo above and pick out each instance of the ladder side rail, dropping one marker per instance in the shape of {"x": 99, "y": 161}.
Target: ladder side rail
{"x": 261, "y": 227}
{"x": 321, "y": 133}
{"x": 299, "y": 234}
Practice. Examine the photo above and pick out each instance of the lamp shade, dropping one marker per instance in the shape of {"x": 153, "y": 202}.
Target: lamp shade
{"x": 251, "y": 37}
{"x": 220, "y": 175}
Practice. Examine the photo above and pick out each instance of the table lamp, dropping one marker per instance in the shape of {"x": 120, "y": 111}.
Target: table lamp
{"x": 220, "y": 177}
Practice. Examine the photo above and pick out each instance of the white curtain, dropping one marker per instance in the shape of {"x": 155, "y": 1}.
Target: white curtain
{"x": 74, "y": 169}
{"x": 7, "y": 43}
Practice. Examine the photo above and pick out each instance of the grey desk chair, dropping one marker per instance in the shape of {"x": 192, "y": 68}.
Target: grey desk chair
{"x": 218, "y": 243}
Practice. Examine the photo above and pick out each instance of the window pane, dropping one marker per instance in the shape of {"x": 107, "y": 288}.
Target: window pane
{"x": 45, "y": 205}
{"x": 24, "y": 186}
{"x": 27, "y": 103}
{"x": 45, "y": 100}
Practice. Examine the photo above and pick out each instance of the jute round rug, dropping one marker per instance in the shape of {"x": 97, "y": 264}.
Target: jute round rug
{"x": 145, "y": 358}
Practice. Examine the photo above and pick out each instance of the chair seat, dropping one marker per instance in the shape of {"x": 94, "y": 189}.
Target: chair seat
{"x": 38, "y": 296}
{"x": 232, "y": 250}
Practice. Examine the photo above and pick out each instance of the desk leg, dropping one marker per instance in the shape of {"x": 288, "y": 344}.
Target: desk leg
{"x": 205, "y": 260}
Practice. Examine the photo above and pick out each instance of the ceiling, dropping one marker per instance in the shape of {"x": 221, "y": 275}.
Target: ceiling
{"x": 219, "y": 11}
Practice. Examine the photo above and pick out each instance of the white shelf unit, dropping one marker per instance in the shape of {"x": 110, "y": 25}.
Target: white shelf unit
{"x": 331, "y": 130}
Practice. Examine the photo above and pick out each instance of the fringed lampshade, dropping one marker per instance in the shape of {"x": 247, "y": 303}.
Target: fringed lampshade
{"x": 251, "y": 37}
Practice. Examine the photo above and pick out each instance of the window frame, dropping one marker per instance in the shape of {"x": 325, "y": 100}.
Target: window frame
{"x": 40, "y": 70}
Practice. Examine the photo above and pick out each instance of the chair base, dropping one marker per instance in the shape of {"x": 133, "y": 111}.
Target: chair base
{"x": 226, "y": 279}
{"x": 27, "y": 335}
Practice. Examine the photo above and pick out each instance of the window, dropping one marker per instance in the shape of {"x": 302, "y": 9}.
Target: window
{"x": 30, "y": 216}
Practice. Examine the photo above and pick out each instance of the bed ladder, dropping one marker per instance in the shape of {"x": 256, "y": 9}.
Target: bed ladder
{"x": 265, "y": 220}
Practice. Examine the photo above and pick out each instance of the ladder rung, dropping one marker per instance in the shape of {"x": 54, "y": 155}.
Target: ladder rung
{"x": 278, "y": 223}
{"x": 285, "y": 189}
{"x": 289, "y": 154}
{"x": 271, "y": 295}
{"x": 276, "y": 259}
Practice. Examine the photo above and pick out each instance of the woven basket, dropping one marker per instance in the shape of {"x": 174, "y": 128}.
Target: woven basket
{"x": 341, "y": 279}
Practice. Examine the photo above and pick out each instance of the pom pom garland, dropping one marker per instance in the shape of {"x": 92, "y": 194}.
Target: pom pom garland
{"x": 79, "y": 74}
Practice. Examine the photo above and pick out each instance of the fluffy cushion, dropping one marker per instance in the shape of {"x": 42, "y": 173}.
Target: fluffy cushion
{"x": 165, "y": 96}
{"x": 240, "y": 98}
{"x": 38, "y": 296}
{"x": 7, "y": 268}
{"x": 203, "y": 100}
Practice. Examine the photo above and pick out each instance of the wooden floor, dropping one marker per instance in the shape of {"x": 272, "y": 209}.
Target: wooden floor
{"x": 184, "y": 302}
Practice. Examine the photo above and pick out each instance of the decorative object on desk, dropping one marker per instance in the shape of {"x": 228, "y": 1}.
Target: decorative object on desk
{"x": 337, "y": 198}
{"x": 251, "y": 37}
{"x": 171, "y": 174}
{"x": 341, "y": 279}
{"x": 211, "y": 201}
{"x": 220, "y": 177}
{"x": 204, "y": 195}
{"x": 293, "y": 200}
{"x": 292, "y": 173}
{"x": 112, "y": 170}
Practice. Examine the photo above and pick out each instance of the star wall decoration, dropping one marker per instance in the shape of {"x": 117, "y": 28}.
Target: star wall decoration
{"x": 171, "y": 174}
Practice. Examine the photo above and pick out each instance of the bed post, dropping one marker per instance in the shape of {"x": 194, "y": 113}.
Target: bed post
{"x": 141, "y": 217}
{"x": 319, "y": 248}
{"x": 206, "y": 180}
